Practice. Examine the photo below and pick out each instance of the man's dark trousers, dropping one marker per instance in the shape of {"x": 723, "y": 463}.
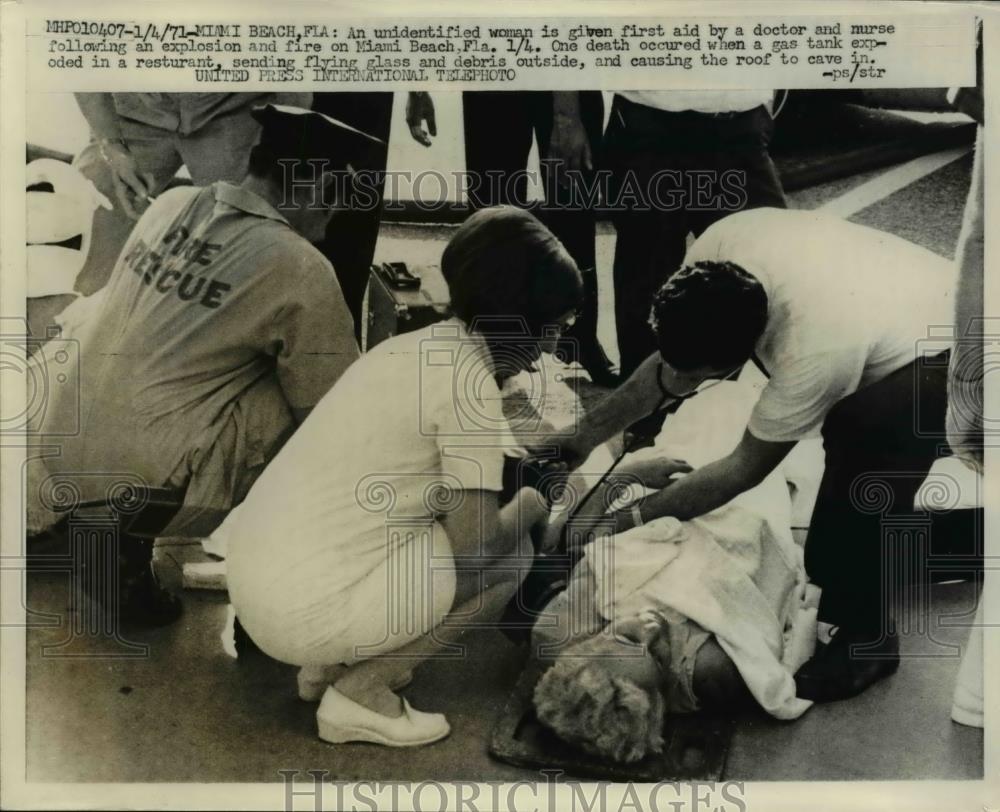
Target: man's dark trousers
{"x": 865, "y": 539}
{"x": 683, "y": 156}
{"x": 351, "y": 236}
{"x": 499, "y": 129}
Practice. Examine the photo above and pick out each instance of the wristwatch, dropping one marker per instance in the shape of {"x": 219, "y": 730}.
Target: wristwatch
{"x": 103, "y": 142}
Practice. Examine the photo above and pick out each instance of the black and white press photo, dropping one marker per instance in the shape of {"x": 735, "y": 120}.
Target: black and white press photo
{"x": 571, "y": 407}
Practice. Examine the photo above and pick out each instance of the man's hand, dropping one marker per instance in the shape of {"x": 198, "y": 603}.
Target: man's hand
{"x": 130, "y": 185}
{"x": 569, "y": 143}
{"x": 420, "y": 111}
{"x": 714, "y": 484}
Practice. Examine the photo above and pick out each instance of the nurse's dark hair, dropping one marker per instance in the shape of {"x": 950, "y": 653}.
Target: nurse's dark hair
{"x": 507, "y": 273}
{"x": 709, "y": 314}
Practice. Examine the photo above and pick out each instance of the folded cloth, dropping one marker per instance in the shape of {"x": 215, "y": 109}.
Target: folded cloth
{"x": 800, "y": 639}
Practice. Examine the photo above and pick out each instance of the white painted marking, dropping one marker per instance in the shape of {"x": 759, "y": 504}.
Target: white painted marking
{"x": 880, "y": 187}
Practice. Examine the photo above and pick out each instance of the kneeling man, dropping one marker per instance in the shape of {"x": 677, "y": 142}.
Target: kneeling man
{"x": 220, "y": 328}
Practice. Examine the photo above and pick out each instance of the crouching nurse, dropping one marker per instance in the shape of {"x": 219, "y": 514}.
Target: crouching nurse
{"x": 376, "y": 537}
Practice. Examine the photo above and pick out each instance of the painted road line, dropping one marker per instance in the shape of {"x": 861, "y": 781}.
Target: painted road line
{"x": 880, "y": 187}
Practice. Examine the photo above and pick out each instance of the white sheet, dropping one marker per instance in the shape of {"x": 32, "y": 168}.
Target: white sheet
{"x": 736, "y": 571}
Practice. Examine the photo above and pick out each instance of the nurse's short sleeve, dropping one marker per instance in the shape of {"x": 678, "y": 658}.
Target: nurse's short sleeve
{"x": 471, "y": 432}
{"x": 799, "y": 395}
{"x": 312, "y": 330}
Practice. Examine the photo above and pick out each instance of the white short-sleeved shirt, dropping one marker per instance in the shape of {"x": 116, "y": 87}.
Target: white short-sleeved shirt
{"x": 847, "y": 306}
{"x": 700, "y": 101}
{"x": 409, "y": 426}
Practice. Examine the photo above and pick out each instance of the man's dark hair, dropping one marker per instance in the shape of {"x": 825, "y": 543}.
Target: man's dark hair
{"x": 297, "y": 144}
{"x": 503, "y": 266}
{"x": 265, "y": 162}
{"x": 709, "y": 314}
{"x": 294, "y": 174}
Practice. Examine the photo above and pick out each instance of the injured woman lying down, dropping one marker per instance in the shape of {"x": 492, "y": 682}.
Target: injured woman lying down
{"x": 675, "y": 616}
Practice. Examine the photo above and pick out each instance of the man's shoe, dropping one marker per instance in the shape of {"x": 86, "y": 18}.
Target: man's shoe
{"x": 847, "y": 665}
{"x": 146, "y": 604}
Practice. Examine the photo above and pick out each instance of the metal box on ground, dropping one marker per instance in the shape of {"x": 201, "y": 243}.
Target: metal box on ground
{"x": 402, "y": 299}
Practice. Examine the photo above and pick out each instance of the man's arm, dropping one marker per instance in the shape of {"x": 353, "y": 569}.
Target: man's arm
{"x": 99, "y": 110}
{"x": 631, "y": 401}
{"x": 593, "y": 501}
{"x": 712, "y": 485}
{"x": 312, "y": 329}
{"x": 131, "y": 185}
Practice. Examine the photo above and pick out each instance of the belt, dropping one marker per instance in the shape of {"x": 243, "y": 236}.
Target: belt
{"x": 643, "y": 109}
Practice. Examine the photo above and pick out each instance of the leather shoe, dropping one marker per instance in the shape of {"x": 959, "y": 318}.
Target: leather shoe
{"x": 144, "y": 603}
{"x": 850, "y": 663}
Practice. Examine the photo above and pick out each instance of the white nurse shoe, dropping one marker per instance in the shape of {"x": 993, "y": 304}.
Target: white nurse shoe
{"x": 341, "y": 719}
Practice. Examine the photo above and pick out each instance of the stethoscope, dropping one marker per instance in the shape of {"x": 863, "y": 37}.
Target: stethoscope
{"x": 669, "y": 403}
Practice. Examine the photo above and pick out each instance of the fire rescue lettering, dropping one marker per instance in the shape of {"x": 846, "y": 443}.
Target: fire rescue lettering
{"x": 168, "y": 269}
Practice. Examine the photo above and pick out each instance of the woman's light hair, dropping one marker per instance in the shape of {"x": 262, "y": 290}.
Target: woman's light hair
{"x": 585, "y": 704}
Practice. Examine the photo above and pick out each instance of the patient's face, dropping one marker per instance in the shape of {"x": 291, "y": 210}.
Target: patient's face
{"x": 640, "y": 654}
{"x": 638, "y": 666}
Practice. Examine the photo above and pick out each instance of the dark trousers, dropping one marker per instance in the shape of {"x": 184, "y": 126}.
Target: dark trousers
{"x": 648, "y": 149}
{"x": 351, "y": 236}
{"x": 865, "y": 539}
{"x": 499, "y": 127}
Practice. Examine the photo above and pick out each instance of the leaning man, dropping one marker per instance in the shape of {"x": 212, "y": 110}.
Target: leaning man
{"x": 219, "y": 330}
{"x": 839, "y": 317}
